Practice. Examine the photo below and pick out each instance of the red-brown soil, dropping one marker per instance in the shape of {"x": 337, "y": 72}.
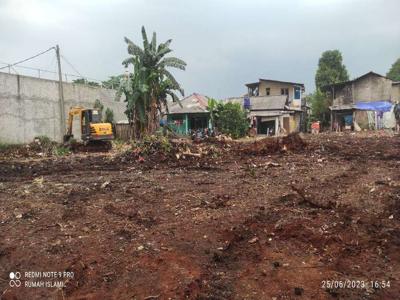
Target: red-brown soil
{"x": 241, "y": 222}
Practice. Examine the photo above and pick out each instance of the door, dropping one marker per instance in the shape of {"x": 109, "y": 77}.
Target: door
{"x": 266, "y": 127}
{"x": 286, "y": 124}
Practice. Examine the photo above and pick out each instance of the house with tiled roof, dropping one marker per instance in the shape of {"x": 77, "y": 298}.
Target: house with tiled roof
{"x": 190, "y": 116}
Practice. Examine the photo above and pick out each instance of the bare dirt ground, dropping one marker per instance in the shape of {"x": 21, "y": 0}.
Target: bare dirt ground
{"x": 245, "y": 223}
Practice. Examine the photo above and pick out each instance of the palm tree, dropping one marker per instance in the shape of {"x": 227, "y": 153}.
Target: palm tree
{"x": 148, "y": 87}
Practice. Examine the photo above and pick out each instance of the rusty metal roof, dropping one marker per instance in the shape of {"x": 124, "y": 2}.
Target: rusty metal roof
{"x": 195, "y": 103}
{"x": 325, "y": 87}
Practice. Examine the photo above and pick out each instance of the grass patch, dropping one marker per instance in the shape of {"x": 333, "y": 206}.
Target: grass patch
{"x": 61, "y": 151}
{"x": 4, "y": 147}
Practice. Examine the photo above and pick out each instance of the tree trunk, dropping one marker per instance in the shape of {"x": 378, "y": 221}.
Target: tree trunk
{"x": 152, "y": 117}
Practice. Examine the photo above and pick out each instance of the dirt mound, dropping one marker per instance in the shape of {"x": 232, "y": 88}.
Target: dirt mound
{"x": 293, "y": 142}
{"x": 156, "y": 149}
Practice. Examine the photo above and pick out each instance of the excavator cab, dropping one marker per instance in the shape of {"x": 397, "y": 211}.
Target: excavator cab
{"x": 92, "y": 127}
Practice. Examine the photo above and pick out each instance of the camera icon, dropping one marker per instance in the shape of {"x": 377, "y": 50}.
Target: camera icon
{"x": 14, "y": 279}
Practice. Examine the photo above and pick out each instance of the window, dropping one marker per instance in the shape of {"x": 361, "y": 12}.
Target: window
{"x": 253, "y": 91}
{"x": 297, "y": 93}
{"x": 285, "y": 91}
{"x": 267, "y": 91}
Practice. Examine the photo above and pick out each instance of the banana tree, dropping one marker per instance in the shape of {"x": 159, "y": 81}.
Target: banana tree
{"x": 150, "y": 84}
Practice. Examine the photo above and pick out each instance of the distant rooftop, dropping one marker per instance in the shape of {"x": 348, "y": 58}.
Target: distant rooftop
{"x": 353, "y": 80}
{"x": 263, "y": 102}
{"x": 195, "y": 103}
{"x": 271, "y": 80}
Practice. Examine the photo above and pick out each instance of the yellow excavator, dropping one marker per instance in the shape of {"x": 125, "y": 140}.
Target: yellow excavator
{"x": 93, "y": 130}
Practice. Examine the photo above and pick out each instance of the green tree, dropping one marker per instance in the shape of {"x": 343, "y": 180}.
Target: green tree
{"x": 232, "y": 119}
{"x": 113, "y": 82}
{"x": 98, "y": 105}
{"x": 109, "y": 115}
{"x": 146, "y": 89}
{"x": 86, "y": 82}
{"x": 319, "y": 105}
{"x": 79, "y": 81}
{"x": 212, "y": 107}
{"x": 330, "y": 69}
{"x": 394, "y": 72}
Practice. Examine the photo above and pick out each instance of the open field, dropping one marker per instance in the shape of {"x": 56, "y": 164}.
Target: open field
{"x": 241, "y": 224}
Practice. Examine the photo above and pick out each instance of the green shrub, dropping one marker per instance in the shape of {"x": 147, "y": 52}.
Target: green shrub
{"x": 232, "y": 120}
{"x": 61, "y": 151}
{"x": 42, "y": 144}
{"x": 43, "y": 140}
{"x": 109, "y": 116}
{"x": 4, "y": 146}
{"x": 98, "y": 105}
{"x": 118, "y": 144}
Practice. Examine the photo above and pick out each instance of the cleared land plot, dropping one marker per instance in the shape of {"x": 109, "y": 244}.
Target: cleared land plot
{"x": 242, "y": 224}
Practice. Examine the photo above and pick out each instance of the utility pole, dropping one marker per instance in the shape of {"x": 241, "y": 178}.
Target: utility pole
{"x": 61, "y": 94}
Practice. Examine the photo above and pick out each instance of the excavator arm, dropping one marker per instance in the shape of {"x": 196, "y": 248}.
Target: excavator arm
{"x": 92, "y": 128}
{"x": 72, "y": 112}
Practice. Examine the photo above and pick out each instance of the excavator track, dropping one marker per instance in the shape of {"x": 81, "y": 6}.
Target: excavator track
{"x": 92, "y": 146}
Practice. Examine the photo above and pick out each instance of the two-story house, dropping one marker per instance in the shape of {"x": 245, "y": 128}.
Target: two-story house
{"x": 269, "y": 87}
{"x": 274, "y": 106}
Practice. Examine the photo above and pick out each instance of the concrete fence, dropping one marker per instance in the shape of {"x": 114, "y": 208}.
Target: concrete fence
{"x": 30, "y": 107}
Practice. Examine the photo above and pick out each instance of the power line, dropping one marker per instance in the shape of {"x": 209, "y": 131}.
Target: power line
{"x": 24, "y": 60}
{"x": 28, "y": 68}
{"x": 76, "y": 71}
{"x": 47, "y": 71}
{"x": 9, "y": 66}
{"x": 73, "y": 68}
{"x": 43, "y": 70}
{"x": 50, "y": 66}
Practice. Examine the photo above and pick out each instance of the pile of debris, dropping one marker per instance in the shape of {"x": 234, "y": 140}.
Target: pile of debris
{"x": 290, "y": 143}
{"x": 41, "y": 146}
{"x": 157, "y": 148}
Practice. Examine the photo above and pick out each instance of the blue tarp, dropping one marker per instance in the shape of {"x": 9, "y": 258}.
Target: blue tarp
{"x": 246, "y": 103}
{"x": 348, "y": 120}
{"x": 383, "y": 106}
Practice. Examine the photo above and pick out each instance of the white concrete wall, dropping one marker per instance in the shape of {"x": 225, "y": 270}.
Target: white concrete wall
{"x": 396, "y": 93}
{"x": 29, "y": 106}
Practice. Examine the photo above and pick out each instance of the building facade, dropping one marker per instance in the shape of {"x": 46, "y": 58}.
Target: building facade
{"x": 191, "y": 116}
{"x": 275, "y": 107}
{"x": 268, "y": 87}
{"x": 366, "y": 102}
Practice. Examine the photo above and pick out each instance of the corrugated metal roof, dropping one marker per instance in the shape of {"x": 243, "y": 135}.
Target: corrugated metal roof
{"x": 353, "y": 80}
{"x": 263, "y": 102}
{"x": 272, "y": 80}
{"x": 264, "y": 113}
{"x": 342, "y": 107}
{"x": 195, "y": 103}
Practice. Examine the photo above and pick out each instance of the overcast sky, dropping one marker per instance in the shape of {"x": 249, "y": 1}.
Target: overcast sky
{"x": 225, "y": 43}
